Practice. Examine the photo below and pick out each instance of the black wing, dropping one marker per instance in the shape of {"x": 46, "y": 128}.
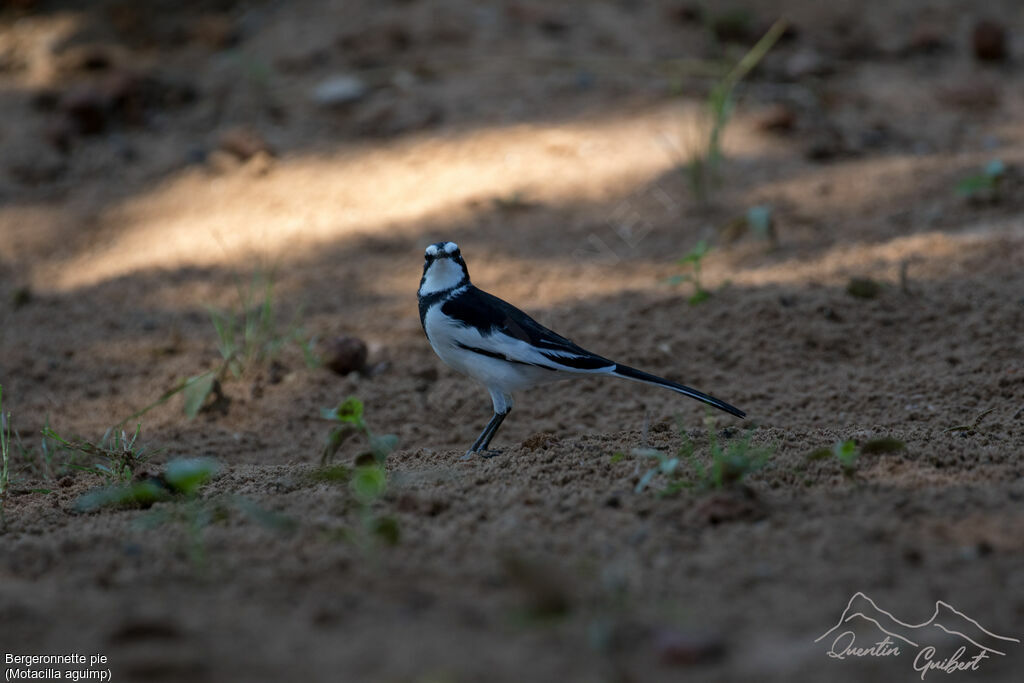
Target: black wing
{"x": 489, "y": 314}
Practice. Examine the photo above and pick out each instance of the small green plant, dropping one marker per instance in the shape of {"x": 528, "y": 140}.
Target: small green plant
{"x": 693, "y": 261}
{"x": 332, "y": 474}
{"x": 121, "y": 454}
{"x": 179, "y": 483}
{"x": 369, "y": 484}
{"x": 973, "y": 426}
{"x": 368, "y": 481}
{"x": 882, "y": 446}
{"x": 702, "y": 167}
{"x": 758, "y": 220}
{"x": 181, "y": 478}
{"x": 348, "y": 416}
{"x": 730, "y": 463}
{"x": 246, "y": 337}
{"x": 984, "y": 185}
{"x": 847, "y": 453}
{"x": 22, "y": 459}
{"x": 863, "y": 288}
{"x": 667, "y": 466}
{"x": 50, "y": 461}
{"x": 5, "y": 457}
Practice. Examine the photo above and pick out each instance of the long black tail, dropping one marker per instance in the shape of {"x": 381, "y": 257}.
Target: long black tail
{"x": 640, "y": 376}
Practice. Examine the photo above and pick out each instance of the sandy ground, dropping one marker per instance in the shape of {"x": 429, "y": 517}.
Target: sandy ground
{"x": 547, "y": 143}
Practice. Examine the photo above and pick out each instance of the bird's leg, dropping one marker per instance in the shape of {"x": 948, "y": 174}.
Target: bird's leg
{"x": 498, "y": 418}
{"x": 480, "y": 439}
{"x": 485, "y": 437}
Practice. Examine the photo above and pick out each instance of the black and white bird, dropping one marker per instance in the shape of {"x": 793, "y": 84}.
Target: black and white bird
{"x": 503, "y": 348}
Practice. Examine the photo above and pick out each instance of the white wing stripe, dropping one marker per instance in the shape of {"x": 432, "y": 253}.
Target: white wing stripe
{"x": 518, "y": 350}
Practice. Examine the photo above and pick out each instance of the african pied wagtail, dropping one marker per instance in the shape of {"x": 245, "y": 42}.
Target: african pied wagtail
{"x": 503, "y": 348}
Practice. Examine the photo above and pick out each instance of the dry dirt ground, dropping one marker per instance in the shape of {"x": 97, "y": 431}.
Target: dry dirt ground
{"x": 151, "y": 156}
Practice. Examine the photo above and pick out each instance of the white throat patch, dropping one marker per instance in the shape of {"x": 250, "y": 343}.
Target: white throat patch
{"x": 443, "y": 274}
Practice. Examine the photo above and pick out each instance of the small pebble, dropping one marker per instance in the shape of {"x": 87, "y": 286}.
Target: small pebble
{"x": 338, "y": 91}
{"x": 345, "y": 354}
{"x": 989, "y": 41}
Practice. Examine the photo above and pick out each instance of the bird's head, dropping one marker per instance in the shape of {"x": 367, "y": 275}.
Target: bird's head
{"x": 443, "y": 269}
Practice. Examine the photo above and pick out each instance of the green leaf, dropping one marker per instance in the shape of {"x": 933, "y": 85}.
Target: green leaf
{"x": 141, "y": 494}
{"x": 695, "y": 255}
{"x": 863, "y": 288}
{"x": 973, "y": 184}
{"x": 881, "y": 445}
{"x": 309, "y": 354}
{"x": 186, "y": 475}
{"x": 332, "y": 473}
{"x": 699, "y": 296}
{"x": 759, "y": 218}
{"x": 349, "y": 411}
{"x": 382, "y": 445}
{"x": 985, "y": 181}
{"x": 674, "y": 488}
{"x": 846, "y": 452}
{"x": 369, "y": 483}
{"x": 646, "y": 479}
{"x": 196, "y": 390}
{"x": 665, "y": 465}
{"x": 386, "y": 528}
{"x": 995, "y": 168}
{"x": 819, "y": 454}
{"x": 269, "y": 519}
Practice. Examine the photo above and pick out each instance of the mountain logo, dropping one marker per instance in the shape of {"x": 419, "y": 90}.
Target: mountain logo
{"x": 892, "y": 637}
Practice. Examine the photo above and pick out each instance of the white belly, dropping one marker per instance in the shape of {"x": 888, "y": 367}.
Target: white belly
{"x": 494, "y": 373}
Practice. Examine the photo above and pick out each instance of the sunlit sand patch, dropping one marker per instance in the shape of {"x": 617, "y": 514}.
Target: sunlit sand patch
{"x": 37, "y": 37}
{"x": 931, "y": 254}
{"x": 309, "y": 201}
{"x": 405, "y": 188}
